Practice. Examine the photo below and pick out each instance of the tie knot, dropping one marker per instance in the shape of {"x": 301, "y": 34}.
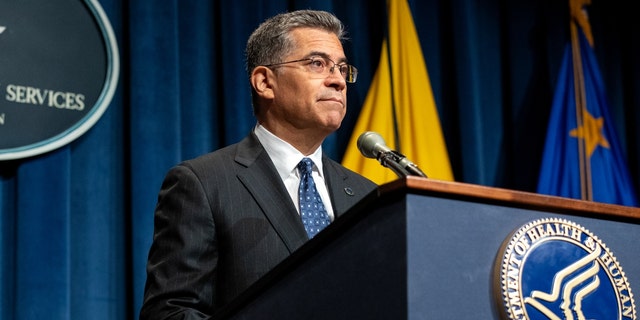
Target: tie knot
{"x": 305, "y": 166}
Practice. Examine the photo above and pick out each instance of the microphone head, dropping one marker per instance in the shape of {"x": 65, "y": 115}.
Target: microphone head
{"x": 370, "y": 144}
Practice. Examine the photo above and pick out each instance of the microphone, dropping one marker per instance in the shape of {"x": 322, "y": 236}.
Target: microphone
{"x": 372, "y": 145}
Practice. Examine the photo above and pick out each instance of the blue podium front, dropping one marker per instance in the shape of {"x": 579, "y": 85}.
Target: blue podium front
{"x": 424, "y": 249}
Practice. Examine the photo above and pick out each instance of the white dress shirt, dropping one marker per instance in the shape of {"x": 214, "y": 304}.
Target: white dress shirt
{"x": 286, "y": 158}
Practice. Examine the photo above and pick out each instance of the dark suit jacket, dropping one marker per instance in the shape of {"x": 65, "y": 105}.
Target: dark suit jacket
{"x": 222, "y": 221}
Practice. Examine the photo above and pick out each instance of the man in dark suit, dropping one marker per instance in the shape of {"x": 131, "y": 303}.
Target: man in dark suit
{"x": 226, "y": 218}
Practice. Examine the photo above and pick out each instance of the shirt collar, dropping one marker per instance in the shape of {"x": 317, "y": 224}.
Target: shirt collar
{"x": 283, "y": 155}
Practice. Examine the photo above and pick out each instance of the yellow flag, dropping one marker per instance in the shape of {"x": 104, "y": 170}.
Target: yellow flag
{"x": 412, "y": 116}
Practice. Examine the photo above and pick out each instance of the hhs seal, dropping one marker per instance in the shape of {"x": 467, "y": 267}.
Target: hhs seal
{"x": 556, "y": 269}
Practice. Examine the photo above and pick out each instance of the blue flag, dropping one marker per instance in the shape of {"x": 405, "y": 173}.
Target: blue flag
{"x": 582, "y": 157}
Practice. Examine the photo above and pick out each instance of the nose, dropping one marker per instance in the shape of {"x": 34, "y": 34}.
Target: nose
{"x": 336, "y": 80}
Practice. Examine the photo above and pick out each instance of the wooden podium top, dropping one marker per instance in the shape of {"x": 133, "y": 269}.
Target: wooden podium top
{"x": 512, "y": 198}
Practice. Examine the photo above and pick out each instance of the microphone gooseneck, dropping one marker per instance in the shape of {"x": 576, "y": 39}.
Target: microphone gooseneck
{"x": 372, "y": 145}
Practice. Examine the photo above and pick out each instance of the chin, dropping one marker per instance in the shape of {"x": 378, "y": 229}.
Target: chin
{"x": 333, "y": 127}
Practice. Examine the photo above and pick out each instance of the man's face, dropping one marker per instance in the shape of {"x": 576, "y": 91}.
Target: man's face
{"x": 306, "y": 100}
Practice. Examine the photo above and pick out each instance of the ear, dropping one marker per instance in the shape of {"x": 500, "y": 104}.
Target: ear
{"x": 262, "y": 82}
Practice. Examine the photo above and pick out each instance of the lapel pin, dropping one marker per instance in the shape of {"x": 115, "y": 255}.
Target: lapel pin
{"x": 348, "y": 191}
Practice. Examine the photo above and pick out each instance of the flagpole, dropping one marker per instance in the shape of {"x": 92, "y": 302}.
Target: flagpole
{"x": 394, "y": 111}
{"x": 578, "y": 17}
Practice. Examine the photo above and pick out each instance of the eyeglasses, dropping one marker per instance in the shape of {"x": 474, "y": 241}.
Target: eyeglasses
{"x": 319, "y": 65}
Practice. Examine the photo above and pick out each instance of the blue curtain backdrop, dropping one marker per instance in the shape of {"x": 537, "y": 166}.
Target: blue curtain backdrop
{"x": 76, "y": 223}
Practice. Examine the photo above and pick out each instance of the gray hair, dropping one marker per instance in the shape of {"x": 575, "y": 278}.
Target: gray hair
{"x": 272, "y": 40}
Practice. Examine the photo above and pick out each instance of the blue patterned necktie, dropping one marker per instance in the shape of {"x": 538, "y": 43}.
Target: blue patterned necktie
{"x": 312, "y": 210}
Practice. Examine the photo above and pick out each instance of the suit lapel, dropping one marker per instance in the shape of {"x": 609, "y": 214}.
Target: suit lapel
{"x": 342, "y": 195}
{"x": 261, "y": 176}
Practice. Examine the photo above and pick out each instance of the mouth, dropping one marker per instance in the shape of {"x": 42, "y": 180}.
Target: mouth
{"x": 336, "y": 100}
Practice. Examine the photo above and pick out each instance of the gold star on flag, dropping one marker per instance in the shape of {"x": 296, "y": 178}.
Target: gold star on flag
{"x": 591, "y": 132}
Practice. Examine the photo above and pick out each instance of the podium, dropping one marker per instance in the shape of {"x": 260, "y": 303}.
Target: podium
{"x": 423, "y": 249}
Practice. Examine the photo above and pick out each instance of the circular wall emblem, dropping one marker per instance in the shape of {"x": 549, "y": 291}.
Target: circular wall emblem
{"x": 59, "y": 65}
{"x": 556, "y": 269}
